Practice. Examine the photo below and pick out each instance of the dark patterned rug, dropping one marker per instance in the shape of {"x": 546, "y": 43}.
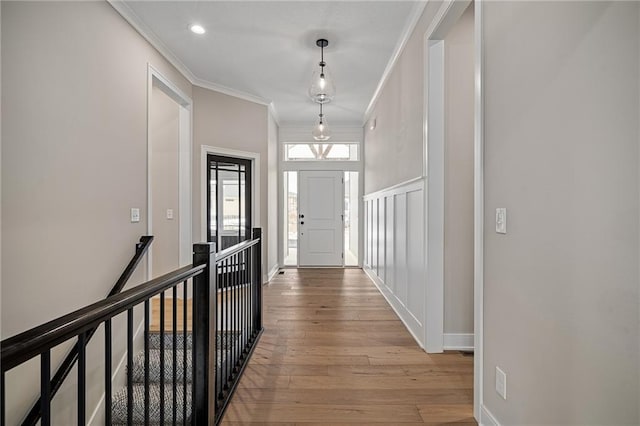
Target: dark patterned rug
{"x": 182, "y": 356}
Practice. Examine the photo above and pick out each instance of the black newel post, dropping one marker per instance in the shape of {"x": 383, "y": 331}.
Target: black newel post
{"x": 203, "y": 326}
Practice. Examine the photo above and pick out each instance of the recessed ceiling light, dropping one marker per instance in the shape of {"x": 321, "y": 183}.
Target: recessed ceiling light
{"x": 198, "y": 29}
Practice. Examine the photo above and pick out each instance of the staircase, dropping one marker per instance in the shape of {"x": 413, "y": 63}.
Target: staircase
{"x": 183, "y": 401}
{"x": 119, "y": 407}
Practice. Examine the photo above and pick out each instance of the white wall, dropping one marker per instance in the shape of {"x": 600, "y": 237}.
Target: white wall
{"x": 74, "y": 152}
{"x": 561, "y": 154}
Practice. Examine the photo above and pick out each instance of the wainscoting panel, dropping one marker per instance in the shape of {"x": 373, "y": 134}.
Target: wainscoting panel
{"x": 389, "y": 247}
{"x": 394, "y": 237}
{"x": 400, "y": 238}
{"x": 382, "y": 267}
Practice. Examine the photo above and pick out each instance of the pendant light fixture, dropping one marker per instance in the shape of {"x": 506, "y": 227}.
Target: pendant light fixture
{"x": 321, "y": 131}
{"x": 322, "y": 89}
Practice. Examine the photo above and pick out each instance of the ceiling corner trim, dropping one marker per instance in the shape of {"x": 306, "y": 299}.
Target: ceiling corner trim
{"x": 230, "y": 92}
{"x": 414, "y": 16}
{"x": 134, "y": 20}
{"x": 274, "y": 113}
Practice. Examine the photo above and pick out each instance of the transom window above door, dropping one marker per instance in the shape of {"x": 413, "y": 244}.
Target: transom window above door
{"x": 321, "y": 152}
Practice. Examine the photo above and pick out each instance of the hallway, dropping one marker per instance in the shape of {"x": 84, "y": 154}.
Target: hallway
{"x": 334, "y": 352}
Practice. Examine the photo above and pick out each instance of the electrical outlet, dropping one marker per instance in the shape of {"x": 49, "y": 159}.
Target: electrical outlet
{"x": 501, "y": 383}
{"x": 169, "y": 214}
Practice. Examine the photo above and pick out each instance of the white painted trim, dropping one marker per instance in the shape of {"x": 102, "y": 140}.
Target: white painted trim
{"x": 406, "y": 186}
{"x": 255, "y": 183}
{"x": 478, "y": 249}
{"x": 458, "y": 341}
{"x": 434, "y": 147}
{"x": 486, "y": 417}
{"x": 272, "y": 273}
{"x": 447, "y": 15}
{"x": 185, "y": 142}
{"x": 414, "y": 16}
{"x": 274, "y": 113}
{"x": 229, "y": 91}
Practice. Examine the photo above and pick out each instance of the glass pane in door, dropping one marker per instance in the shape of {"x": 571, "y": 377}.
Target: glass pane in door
{"x": 229, "y": 201}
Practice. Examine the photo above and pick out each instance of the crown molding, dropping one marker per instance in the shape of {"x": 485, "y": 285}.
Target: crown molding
{"x": 229, "y": 91}
{"x": 147, "y": 33}
{"x": 134, "y": 20}
{"x": 415, "y": 15}
{"x": 274, "y": 113}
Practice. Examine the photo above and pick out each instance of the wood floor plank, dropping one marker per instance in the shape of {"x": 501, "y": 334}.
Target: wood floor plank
{"x": 334, "y": 353}
{"x": 367, "y": 414}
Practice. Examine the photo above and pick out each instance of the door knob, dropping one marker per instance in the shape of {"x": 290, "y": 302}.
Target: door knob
{"x": 301, "y": 216}
{"x": 301, "y": 223}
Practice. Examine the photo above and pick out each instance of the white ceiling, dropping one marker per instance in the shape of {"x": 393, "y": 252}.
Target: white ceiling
{"x": 266, "y": 49}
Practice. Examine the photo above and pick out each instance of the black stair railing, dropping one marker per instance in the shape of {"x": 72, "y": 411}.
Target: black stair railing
{"x": 72, "y": 357}
{"x": 216, "y": 360}
{"x": 235, "y": 295}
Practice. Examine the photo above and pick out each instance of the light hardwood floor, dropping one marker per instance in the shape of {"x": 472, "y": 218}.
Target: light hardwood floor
{"x": 334, "y": 352}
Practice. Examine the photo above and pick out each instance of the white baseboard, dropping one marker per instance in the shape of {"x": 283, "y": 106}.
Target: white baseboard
{"x": 486, "y": 418}
{"x": 272, "y": 273}
{"x": 458, "y": 341}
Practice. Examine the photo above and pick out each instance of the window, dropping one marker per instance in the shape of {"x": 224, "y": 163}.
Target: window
{"x": 321, "y": 152}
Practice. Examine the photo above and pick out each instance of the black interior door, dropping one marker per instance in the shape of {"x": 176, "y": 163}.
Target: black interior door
{"x": 228, "y": 200}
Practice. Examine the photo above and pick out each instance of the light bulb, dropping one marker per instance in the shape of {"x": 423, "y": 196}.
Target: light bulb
{"x": 321, "y": 131}
{"x": 322, "y": 89}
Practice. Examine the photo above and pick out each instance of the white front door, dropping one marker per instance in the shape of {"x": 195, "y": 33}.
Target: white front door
{"x": 320, "y": 218}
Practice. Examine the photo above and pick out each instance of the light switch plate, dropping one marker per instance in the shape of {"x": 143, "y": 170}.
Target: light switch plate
{"x": 135, "y": 215}
{"x": 169, "y": 214}
{"x": 501, "y": 220}
{"x": 501, "y": 383}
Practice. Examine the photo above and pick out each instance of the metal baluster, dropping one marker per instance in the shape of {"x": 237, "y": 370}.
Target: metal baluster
{"x": 107, "y": 371}
{"x": 45, "y": 388}
{"x": 82, "y": 379}
{"x": 218, "y": 358}
{"x": 174, "y": 329}
{"x": 228, "y": 327}
{"x": 247, "y": 287}
{"x": 184, "y": 352}
{"x": 193, "y": 351}
{"x": 162, "y": 358}
{"x": 234, "y": 286}
{"x": 251, "y": 279}
{"x": 147, "y": 319}
{"x": 130, "y": 367}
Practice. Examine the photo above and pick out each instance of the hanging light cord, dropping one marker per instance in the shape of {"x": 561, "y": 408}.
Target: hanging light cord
{"x": 321, "y": 115}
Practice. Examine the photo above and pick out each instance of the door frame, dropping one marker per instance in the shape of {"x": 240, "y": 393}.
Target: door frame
{"x": 254, "y": 157}
{"x": 446, "y": 16}
{"x": 343, "y": 221}
{"x": 156, "y": 79}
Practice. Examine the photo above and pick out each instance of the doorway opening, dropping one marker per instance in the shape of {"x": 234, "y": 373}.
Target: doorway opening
{"x": 168, "y": 175}
{"x": 228, "y": 200}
